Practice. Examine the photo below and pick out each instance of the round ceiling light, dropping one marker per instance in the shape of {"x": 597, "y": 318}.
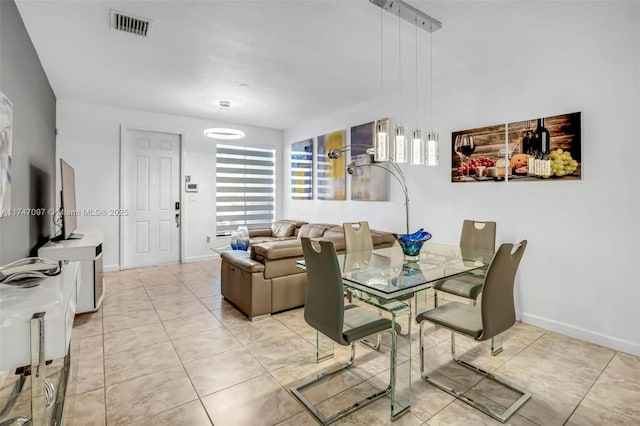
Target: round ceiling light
{"x": 223, "y": 133}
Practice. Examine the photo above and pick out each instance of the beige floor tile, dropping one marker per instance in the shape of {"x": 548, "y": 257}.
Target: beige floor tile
{"x": 212, "y": 303}
{"x": 625, "y": 366}
{"x": 126, "y": 305}
{"x": 119, "y": 285}
{"x": 193, "y": 275}
{"x": 89, "y": 408}
{"x": 223, "y": 370}
{"x": 135, "y": 293}
{"x": 138, "y": 361}
{"x": 377, "y": 413}
{"x": 229, "y": 315}
{"x": 90, "y": 347}
{"x": 90, "y": 375}
{"x": 191, "y": 414}
{"x": 204, "y": 345}
{"x": 302, "y": 419}
{"x": 577, "y": 351}
{"x": 566, "y": 375}
{"x": 205, "y": 288}
{"x": 174, "y": 288}
{"x": 295, "y": 373}
{"x": 250, "y": 332}
{"x": 111, "y": 323}
{"x": 182, "y": 295}
{"x": 193, "y": 324}
{"x": 134, "y": 337}
{"x": 180, "y": 308}
{"x": 259, "y": 401}
{"x": 331, "y": 386}
{"x": 588, "y": 414}
{"x": 616, "y": 395}
{"x": 86, "y": 325}
{"x": 281, "y": 350}
{"x": 461, "y": 413}
{"x": 148, "y": 395}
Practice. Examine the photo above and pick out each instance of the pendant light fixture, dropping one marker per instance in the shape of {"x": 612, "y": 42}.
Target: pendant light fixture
{"x": 422, "y": 148}
{"x": 432, "y": 154}
{"x": 399, "y": 141}
{"x": 224, "y": 133}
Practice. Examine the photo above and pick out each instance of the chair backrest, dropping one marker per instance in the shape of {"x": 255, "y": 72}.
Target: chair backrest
{"x": 478, "y": 235}
{"x": 497, "y": 305}
{"x": 358, "y": 237}
{"x": 324, "y": 301}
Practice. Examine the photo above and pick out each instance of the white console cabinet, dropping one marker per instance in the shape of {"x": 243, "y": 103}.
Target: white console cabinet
{"x": 88, "y": 252}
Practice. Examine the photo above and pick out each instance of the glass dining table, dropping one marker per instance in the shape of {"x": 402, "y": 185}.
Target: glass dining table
{"x": 384, "y": 279}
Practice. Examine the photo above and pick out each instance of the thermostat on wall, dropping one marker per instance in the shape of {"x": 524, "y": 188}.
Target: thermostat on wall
{"x": 191, "y": 187}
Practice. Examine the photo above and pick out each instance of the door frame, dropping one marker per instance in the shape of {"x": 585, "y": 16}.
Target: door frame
{"x": 123, "y": 134}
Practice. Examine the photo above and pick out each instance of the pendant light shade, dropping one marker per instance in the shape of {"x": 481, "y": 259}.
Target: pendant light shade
{"x": 382, "y": 141}
{"x": 401, "y": 153}
{"x": 417, "y": 148}
{"x": 431, "y": 156}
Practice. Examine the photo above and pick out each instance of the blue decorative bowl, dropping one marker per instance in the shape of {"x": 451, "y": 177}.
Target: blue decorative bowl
{"x": 240, "y": 244}
{"x": 412, "y": 243}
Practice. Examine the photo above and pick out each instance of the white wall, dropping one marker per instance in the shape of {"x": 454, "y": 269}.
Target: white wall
{"x": 499, "y": 62}
{"x": 89, "y": 140}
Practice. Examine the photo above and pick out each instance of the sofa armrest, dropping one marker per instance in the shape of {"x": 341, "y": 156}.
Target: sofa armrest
{"x": 242, "y": 260}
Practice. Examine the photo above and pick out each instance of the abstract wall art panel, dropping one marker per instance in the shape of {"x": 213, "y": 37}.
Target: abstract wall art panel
{"x": 331, "y": 181}
{"x": 369, "y": 182}
{"x": 302, "y": 170}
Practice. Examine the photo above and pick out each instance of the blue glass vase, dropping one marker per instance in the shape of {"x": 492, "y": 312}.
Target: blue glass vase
{"x": 412, "y": 243}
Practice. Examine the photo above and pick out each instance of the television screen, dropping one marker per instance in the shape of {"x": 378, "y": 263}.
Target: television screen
{"x": 69, "y": 212}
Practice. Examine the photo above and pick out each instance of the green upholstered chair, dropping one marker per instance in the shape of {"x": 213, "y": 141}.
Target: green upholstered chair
{"x": 325, "y": 311}
{"x": 495, "y": 315}
{"x": 475, "y": 236}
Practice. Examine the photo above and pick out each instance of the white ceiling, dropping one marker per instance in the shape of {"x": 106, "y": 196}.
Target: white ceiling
{"x": 301, "y": 59}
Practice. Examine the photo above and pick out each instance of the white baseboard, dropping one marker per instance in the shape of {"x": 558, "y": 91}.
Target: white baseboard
{"x": 111, "y": 268}
{"x": 190, "y": 259}
{"x": 581, "y": 333}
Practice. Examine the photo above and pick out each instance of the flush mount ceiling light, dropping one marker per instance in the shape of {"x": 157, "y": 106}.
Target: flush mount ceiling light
{"x": 224, "y": 133}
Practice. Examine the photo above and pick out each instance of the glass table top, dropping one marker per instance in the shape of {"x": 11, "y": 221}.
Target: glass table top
{"x": 386, "y": 273}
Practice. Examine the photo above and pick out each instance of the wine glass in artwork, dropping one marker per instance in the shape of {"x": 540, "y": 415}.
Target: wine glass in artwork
{"x": 456, "y": 147}
{"x": 466, "y": 148}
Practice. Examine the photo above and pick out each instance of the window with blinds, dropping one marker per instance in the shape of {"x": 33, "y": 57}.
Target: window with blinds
{"x": 245, "y": 187}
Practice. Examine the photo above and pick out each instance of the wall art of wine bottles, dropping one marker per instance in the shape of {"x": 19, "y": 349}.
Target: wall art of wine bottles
{"x": 537, "y": 149}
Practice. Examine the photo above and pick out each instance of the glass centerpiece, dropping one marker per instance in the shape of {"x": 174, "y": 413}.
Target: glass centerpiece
{"x": 412, "y": 243}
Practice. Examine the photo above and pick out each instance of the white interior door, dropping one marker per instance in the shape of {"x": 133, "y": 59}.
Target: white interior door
{"x": 151, "y": 234}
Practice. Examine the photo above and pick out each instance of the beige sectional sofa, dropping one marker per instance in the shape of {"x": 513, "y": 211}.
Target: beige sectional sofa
{"x": 266, "y": 279}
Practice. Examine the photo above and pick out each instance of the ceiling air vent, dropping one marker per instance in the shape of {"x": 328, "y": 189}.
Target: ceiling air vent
{"x": 130, "y": 24}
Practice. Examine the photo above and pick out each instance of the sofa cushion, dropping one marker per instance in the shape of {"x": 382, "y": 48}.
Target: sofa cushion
{"x": 282, "y": 228}
{"x": 336, "y": 235}
{"x": 314, "y": 230}
{"x": 276, "y": 250}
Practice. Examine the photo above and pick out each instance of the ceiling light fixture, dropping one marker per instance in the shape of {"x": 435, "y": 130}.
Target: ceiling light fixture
{"x": 224, "y": 133}
{"x": 423, "y": 145}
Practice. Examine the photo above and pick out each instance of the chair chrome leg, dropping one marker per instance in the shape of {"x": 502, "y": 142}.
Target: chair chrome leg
{"x": 435, "y": 298}
{"x": 373, "y": 346}
{"x": 496, "y": 345}
{"x": 502, "y": 417}
{"x": 297, "y": 392}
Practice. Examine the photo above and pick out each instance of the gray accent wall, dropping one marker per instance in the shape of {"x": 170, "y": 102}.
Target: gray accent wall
{"x": 25, "y": 83}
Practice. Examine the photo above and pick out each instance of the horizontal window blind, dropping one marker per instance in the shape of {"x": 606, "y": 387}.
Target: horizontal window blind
{"x": 245, "y": 187}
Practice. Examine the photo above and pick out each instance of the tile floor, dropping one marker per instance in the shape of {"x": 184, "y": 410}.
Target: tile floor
{"x": 166, "y": 349}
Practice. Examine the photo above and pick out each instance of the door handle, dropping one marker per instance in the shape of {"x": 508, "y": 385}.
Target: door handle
{"x": 177, "y": 220}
